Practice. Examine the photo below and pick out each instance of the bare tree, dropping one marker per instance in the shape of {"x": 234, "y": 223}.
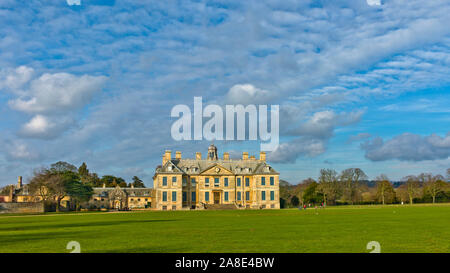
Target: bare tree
{"x": 57, "y": 187}
{"x": 49, "y": 185}
{"x": 328, "y": 184}
{"x": 385, "y": 191}
{"x": 39, "y": 185}
{"x": 402, "y": 193}
{"x": 432, "y": 184}
{"x": 350, "y": 179}
{"x": 412, "y": 187}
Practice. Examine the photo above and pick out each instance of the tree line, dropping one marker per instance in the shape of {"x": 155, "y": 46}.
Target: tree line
{"x": 352, "y": 186}
{"x": 63, "y": 179}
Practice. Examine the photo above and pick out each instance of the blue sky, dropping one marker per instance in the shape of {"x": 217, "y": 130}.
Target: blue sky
{"x": 359, "y": 83}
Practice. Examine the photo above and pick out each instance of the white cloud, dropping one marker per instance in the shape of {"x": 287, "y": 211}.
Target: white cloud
{"x": 439, "y": 105}
{"x": 17, "y": 150}
{"x": 56, "y": 93}
{"x": 15, "y": 79}
{"x": 374, "y": 2}
{"x": 439, "y": 142}
{"x": 43, "y": 127}
{"x": 289, "y": 152}
{"x": 408, "y": 147}
{"x": 312, "y": 136}
{"x": 73, "y": 2}
{"x": 52, "y": 98}
{"x": 248, "y": 94}
{"x": 323, "y": 123}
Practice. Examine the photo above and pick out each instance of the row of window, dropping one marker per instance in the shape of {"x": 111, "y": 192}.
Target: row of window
{"x": 175, "y": 207}
{"x": 263, "y": 196}
{"x": 217, "y": 181}
{"x": 263, "y": 181}
{"x": 226, "y": 196}
{"x": 139, "y": 199}
{"x": 165, "y": 207}
{"x": 174, "y": 196}
{"x": 131, "y": 199}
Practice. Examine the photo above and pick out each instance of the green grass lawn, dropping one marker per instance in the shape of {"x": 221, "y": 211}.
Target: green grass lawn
{"x": 334, "y": 229}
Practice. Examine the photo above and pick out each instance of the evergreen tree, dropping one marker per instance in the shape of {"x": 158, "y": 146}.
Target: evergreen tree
{"x": 137, "y": 182}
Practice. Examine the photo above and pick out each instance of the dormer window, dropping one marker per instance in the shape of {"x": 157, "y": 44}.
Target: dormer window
{"x": 169, "y": 167}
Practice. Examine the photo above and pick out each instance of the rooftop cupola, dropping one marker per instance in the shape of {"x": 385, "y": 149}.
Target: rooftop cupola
{"x": 212, "y": 152}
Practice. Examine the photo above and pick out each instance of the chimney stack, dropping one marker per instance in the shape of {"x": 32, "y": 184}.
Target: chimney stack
{"x": 178, "y": 155}
{"x": 226, "y": 156}
{"x": 252, "y": 157}
{"x": 19, "y": 182}
{"x": 167, "y": 156}
{"x": 11, "y": 193}
{"x": 245, "y": 156}
{"x": 198, "y": 156}
{"x": 262, "y": 156}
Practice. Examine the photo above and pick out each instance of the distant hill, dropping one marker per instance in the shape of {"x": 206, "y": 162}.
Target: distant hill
{"x": 284, "y": 183}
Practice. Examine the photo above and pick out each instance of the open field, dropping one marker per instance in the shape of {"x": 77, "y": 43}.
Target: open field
{"x": 334, "y": 229}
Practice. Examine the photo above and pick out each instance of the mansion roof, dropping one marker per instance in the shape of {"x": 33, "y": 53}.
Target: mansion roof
{"x": 198, "y": 166}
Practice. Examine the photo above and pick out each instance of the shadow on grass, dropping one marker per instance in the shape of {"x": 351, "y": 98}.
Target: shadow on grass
{"x": 17, "y": 238}
{"x": 83, "y": 224}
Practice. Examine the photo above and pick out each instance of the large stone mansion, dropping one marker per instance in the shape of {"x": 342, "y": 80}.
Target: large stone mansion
{"x": 215, "y": 183}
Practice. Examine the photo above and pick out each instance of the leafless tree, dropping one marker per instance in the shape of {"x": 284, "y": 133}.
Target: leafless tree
{"x": 412, "y": 187}
{"x": 49, "y": 186}
{"x": 58, "y": 189}
{"x": 39, "y": 185}
{"x": 432, "y": 184}
{"x": 350, "y": 179}
{"x": 328, "y": 184}
{"x": 385, "y": 191}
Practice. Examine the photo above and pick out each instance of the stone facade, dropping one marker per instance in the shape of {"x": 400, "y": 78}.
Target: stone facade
{"x": 198, "y": 183}
{"x": 20, "y": 193}
{"x": 121, "y": 198}
{"x": 103, "y": 198}
{"x": 23, "y": 207}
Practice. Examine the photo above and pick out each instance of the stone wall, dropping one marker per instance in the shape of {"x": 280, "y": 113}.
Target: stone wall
{"x": 21, "y": 207}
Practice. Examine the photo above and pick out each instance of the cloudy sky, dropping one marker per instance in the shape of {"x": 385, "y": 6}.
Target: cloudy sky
{"x": 360, "y": 83}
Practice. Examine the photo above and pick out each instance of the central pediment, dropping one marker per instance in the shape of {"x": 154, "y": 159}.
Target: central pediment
{"x": 216, "y": 169}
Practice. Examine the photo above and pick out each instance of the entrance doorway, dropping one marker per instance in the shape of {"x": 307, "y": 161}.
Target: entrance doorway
{"x": 216, "y": 197}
